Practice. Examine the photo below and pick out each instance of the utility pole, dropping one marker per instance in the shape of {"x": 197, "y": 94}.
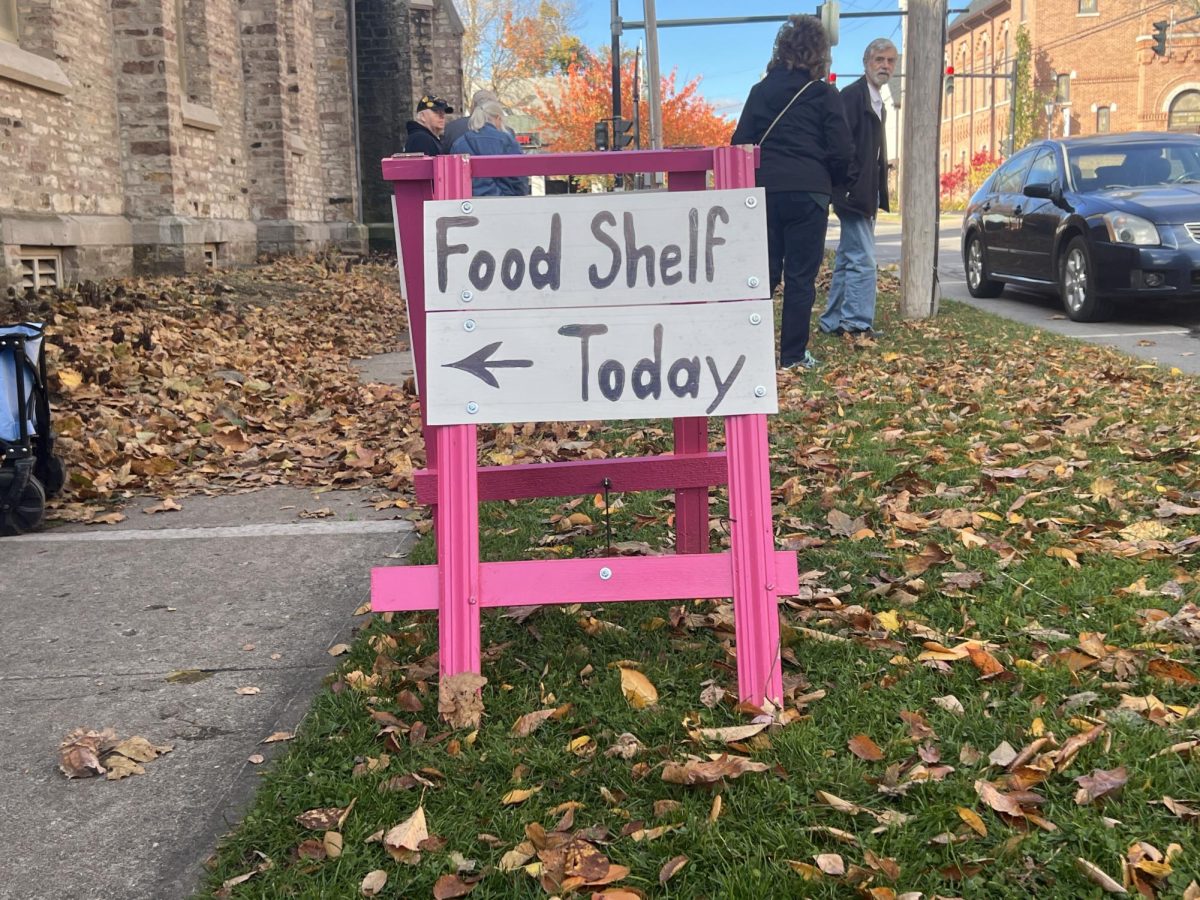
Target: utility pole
{"x": 616, "y": 61}
{"x": 922, "y": 107}
{"x": 899, "y": 148}
{"x": 652, "y": 74}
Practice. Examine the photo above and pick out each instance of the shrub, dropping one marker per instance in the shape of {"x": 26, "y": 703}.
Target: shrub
{"x": 964, "y": 179}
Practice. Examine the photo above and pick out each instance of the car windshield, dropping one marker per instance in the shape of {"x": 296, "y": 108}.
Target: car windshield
{"x": 1100, "y": 167}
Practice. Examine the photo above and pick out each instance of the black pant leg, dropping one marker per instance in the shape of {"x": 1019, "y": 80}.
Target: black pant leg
{"x": 804, "y": 222}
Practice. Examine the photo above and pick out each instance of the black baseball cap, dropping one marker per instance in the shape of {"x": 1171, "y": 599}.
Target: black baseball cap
{"x": 435, "y": 103}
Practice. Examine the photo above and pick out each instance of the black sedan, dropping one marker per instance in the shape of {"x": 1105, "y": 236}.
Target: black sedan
{"x": 1093, "y": 219}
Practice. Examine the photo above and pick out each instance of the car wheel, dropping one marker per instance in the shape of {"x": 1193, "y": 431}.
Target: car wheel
{"x": 1077, "y": 285}
{"x": 978, "y": 283}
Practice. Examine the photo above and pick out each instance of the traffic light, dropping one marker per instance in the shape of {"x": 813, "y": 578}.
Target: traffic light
{"x": 828, "y": 13}
{"x": 1160, "y": 38}
{"x": 622, "y": 133}
{"x": 601, "y": 134}
{"x": 949, "y": 79}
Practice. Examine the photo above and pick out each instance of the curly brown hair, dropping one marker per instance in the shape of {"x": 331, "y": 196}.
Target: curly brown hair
{"x": 802, "y": 44}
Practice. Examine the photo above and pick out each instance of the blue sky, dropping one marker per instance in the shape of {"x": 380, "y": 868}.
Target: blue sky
{"x": 731, "y": 58}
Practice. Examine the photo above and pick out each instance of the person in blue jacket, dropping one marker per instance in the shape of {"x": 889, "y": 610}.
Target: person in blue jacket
{"x": 796, "y": 118}
{"x": 487, "y": 136}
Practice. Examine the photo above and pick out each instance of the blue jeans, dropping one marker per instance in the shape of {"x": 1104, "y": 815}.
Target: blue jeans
{"x": 795, "y": 244}
{"x": 851, "y": 301}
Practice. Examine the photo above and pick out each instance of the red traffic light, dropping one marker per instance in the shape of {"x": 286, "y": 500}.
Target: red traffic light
{"x": 949, "y": 70}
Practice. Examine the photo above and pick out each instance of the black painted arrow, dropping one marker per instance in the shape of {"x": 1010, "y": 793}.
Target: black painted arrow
{"x": 477, "y": 364}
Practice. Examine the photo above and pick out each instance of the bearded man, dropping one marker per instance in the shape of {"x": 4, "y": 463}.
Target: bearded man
{"x": 850, "y": 308}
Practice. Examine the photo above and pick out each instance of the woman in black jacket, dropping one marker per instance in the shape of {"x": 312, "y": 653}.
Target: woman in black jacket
{"x": 796, "y": 117}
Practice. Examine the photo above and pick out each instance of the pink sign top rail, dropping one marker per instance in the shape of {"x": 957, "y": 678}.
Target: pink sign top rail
{"x": 414, "y": 168}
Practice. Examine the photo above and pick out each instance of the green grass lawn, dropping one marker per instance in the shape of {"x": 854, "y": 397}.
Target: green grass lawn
{"x": 965, "y": 479}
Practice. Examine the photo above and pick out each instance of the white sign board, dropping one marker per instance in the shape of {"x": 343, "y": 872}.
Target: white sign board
{"x": 609, "y": 362}
{"x": 613, "y": 249}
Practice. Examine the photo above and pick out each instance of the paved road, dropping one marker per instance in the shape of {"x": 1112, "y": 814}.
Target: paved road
{"x": 1162, "y": 333}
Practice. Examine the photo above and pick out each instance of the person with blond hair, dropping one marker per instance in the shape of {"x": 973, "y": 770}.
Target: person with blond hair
{"x": 458, "y": 127}
{"x": 795, "y": 117}
{"x": 487, "y": 136}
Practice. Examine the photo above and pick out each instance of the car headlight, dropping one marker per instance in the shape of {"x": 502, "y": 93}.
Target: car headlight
{"x": 1126, "y": 229}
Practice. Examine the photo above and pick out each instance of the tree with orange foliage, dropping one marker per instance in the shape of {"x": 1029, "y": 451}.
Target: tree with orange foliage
{"x": 508, "y": 42}
{"x": 576, "y": 100}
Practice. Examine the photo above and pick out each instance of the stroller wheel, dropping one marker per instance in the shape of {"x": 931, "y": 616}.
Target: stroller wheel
{"x": 30, "y": 509}
{"x": 53, "y": 475}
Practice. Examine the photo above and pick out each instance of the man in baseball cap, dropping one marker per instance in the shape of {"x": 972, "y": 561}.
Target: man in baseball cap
{"x": 426, "y": 127}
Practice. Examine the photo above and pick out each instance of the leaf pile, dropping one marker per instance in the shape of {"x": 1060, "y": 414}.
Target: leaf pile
{"x": 85, "y": 753}
{"x": 173, "y": 386}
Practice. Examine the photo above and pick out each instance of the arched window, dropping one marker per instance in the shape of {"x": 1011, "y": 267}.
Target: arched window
{"x": 1184, "y": 114}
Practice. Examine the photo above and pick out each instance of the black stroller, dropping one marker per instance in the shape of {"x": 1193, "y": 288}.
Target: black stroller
{"x": 29, "y": 470}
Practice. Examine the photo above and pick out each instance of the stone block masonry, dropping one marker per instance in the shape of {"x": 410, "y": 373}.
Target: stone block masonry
{"x": 155, "y": 135}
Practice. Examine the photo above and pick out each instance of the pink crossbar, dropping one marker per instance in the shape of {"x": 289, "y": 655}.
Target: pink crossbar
{"x": 692, "y": 471}
{"x": 530, "y": 583}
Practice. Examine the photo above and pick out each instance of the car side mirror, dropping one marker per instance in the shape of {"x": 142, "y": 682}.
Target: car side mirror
{"x": 1051, "y": 191}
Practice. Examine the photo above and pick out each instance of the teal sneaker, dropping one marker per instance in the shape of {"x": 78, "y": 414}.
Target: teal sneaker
{"x": 808, "y": 362}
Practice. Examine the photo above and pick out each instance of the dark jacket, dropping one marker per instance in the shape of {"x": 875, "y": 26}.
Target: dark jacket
{"x": 809, "y": 148}
{"x": 421, "y": 140}
{"x": 454, "y": 130}
{"x": 865, "y": 190}
{"x": 491, "y": 141}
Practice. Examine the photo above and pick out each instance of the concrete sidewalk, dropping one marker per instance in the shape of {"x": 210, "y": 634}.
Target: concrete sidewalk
{"x": 239, "y": 586}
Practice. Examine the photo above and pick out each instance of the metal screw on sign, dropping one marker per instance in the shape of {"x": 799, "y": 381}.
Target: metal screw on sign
{"x": 760, "y": 391}
{"x": 752, "y": 281}
{"x": 751, "y": 202}
{"x": 467, "y": 206}
{"x": 472, "y": 407}
{"x": 755, "y": 319}
{"x": 605, "y": 573}
{"x": 469, "y": 325}
{"x": 467, "y": 296}
{"x": 472, "y": 600}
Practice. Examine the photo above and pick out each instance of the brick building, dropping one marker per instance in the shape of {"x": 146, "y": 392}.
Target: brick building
{"x": 168, "y": 135}
{"x": 1093, "y": 64}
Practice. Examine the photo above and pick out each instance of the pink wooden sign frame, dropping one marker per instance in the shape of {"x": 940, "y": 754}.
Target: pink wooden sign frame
{"x": 752, "y": 572}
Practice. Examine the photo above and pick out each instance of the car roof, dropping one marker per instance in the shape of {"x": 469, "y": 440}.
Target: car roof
{"x": 1131, "y": 137}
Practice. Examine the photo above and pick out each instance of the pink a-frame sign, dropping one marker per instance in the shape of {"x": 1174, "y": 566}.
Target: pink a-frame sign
{"x": 501, "y": 338}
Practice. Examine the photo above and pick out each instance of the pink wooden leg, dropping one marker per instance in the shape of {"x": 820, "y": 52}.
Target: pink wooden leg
{"x": 691, "y": 504}
{"x": 457, "y": 523}
{"x": 691, "y": 435}
{"x": 755, "y": 593}
{"x": 458, "y": 550}
{"x": 755, "y": 604}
